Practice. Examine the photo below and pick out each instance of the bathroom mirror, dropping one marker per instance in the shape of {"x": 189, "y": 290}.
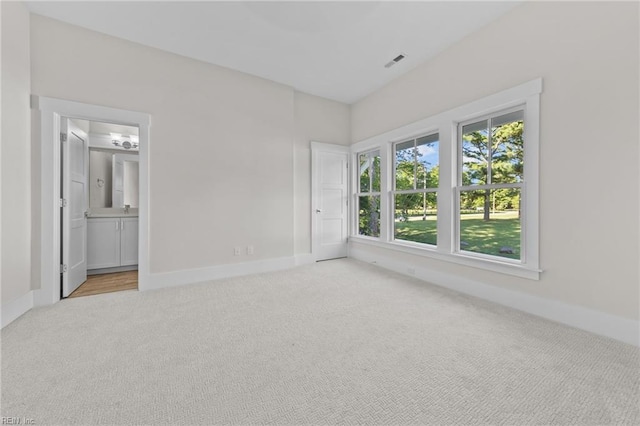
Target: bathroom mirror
{"x": 113, "y": 179}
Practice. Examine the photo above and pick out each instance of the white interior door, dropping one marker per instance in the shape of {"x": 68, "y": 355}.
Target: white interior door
{"x": 75, "y": 172}
{"x": 329, "y": 187}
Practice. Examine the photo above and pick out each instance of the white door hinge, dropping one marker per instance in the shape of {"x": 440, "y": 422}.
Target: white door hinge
{"x": 63, "y": 137}
{"x": 63, "y": 202}
{"x": 63, "y": 268}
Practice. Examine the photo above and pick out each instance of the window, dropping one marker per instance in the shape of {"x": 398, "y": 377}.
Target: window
{"x": 490, "y": 182}
{"x": 368, "y": 195}
{"x": 416, "y": 177}
{"x": 464, "y": 191}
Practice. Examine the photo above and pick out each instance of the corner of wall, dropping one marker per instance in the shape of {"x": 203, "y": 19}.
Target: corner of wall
{"x": 16, "y": 308}
{"x": 16, "y": 162}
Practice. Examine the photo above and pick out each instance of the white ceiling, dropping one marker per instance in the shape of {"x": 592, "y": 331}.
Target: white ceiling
{"x": 336, "y": 50}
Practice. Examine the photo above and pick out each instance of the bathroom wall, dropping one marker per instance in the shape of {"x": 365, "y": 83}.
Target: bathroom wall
{"x": 100, "y": 167}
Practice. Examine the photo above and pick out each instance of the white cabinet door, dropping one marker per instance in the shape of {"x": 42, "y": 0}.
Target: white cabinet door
{"x": 129, "y": 241}
{"x": 103, "y": 235}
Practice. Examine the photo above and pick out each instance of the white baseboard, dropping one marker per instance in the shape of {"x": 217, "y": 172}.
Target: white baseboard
{"x": 191, "y": 276}
{"x": 304, "y": 259}
{"x": 17, "y": 307}
{"x": 601, "y": 323}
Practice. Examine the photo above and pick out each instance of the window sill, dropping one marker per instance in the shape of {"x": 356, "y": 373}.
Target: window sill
{"x": 518, "y": 270}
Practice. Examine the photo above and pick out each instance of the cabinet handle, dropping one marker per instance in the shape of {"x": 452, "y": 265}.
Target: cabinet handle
{"x": 117, "y": 224}
{"x": 122, "y": 225}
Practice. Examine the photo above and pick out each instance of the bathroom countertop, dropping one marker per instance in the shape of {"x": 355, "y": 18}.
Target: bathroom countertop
{"x": 104, "y": 215}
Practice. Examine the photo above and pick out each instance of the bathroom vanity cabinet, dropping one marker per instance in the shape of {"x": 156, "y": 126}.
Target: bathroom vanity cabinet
{"x": 112, "y": 242}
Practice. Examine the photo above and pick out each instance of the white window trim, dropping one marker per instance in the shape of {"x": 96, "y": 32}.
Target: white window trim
{"x": 446, "y": 124}
{"x": 460, "y": 188}
{"x": 393, "y": 191}
{"x": 355, "y": 218}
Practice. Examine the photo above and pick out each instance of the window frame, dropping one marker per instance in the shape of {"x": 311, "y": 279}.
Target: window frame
{"x": 526, "y": 95}
{"x": 394, "y": 191}
{"x": 459, "y": 188}
{"x": 358, "y": 193}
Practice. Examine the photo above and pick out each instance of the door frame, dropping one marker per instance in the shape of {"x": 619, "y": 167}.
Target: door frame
{"x": 317, "y": 147}
{"x": 46, "y": 114}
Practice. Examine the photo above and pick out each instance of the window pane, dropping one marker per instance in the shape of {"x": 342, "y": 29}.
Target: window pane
{"x": 428, "y": 162}
{"x": 490, "y": 222}
{"x": 405, "y": 165}
{"x": 364, "y": 173}
{"x": 507, "y": 155}
{"x": 415, "y": 218}
{"x": 475, "y": 153}
{"x": 375, "y": 163}
{"x": 369, "y": 215}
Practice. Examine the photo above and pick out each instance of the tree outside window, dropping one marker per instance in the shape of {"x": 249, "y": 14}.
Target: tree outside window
{"x": 491, "y": 179}
{"x": 368, "y": 196}
{"x": 416, "y": 164}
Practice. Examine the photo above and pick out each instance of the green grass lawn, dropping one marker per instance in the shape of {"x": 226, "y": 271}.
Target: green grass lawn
{"x": 502, "y": 230}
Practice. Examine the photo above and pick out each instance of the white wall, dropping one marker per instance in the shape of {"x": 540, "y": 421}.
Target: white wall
{"x": 100, "y": 167}
{"x": 587, "y": 54}
{"x": 16, "y": 152}
{"x": 245, "y": 179}
{"x": 320, "y": 120}
{"x": 222, "y": 142}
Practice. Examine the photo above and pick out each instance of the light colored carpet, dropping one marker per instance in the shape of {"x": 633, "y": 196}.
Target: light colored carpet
{"x": 337, "y": 342}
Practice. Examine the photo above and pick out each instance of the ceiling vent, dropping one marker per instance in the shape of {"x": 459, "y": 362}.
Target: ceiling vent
{"x": 395, "y": 60}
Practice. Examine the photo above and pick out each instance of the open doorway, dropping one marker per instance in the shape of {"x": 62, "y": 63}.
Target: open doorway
{"x": 48, "y": 116}
{"x": 99, "y": 213}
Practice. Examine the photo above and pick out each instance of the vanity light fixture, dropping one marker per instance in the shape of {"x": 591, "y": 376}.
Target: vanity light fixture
{"x": 126, "y": 142}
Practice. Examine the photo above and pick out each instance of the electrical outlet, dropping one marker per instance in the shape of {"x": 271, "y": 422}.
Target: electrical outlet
{"x": 237, "y": 251}
{"x": 249, "y": 250}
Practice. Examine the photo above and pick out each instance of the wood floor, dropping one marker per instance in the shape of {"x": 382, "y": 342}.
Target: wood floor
{"x": 107, "y": 283}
